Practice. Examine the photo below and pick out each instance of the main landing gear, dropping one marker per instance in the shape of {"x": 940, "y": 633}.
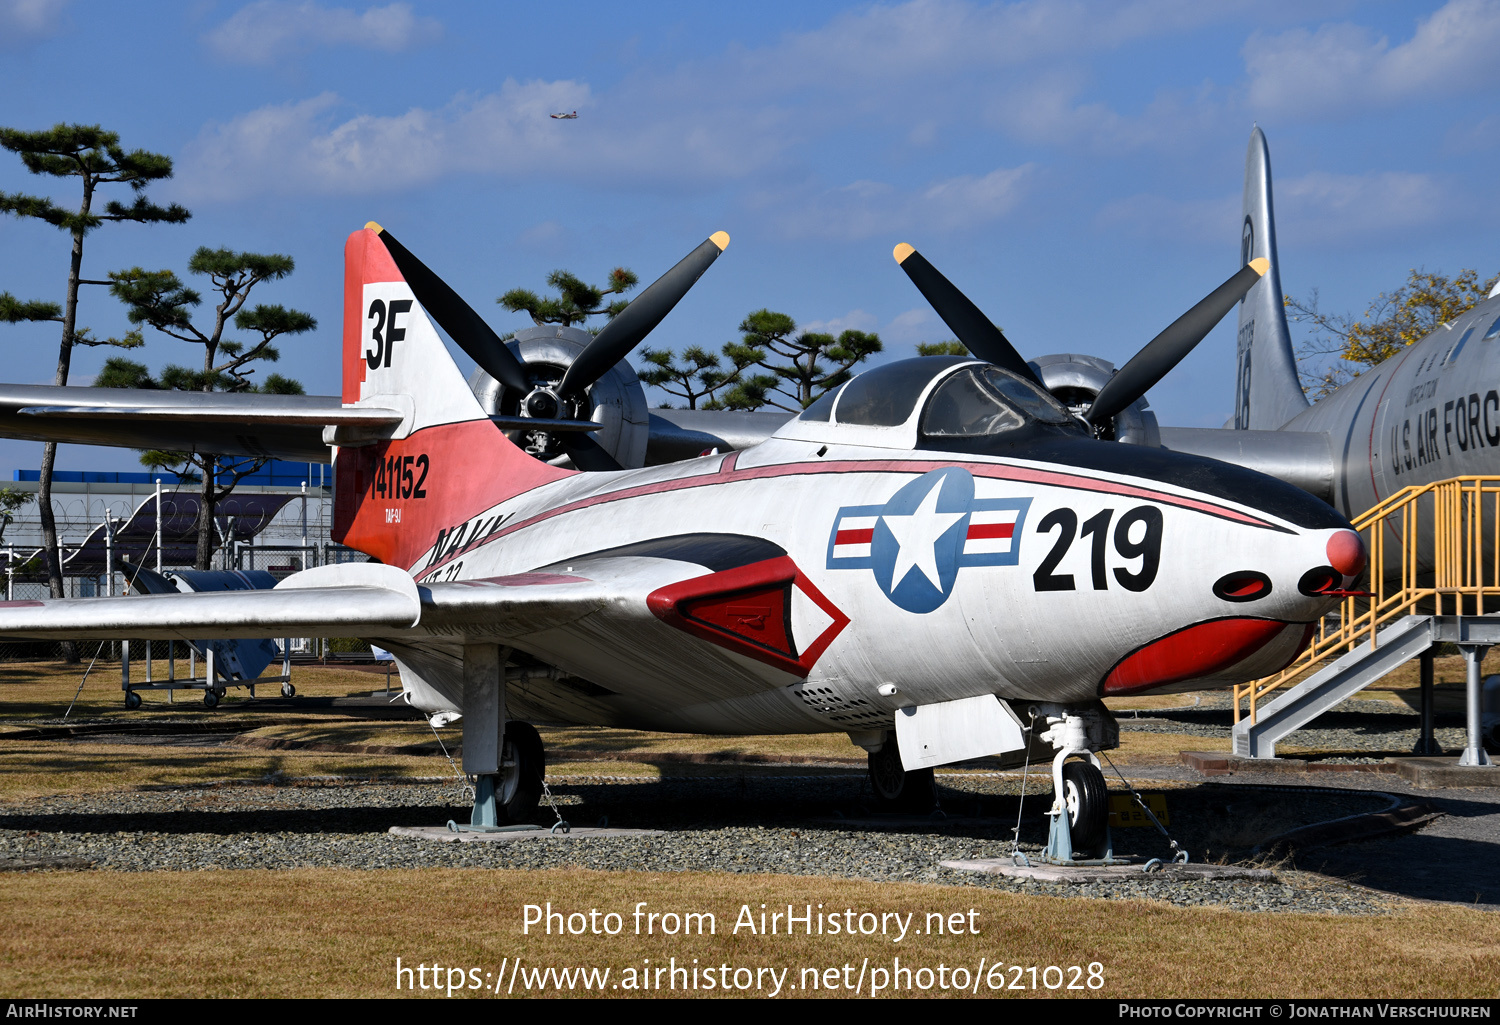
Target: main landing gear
{"x": 510, "y": 796}
{"x": 507, "y": 761}
{"x": 914, "y": 793}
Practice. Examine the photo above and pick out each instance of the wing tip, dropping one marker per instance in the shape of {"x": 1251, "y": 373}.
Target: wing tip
{"x": 901, "y": 252}
{"x": 720, "y": 239}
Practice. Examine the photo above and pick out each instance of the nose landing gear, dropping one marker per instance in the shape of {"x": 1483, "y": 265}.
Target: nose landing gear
{"x": 1078, "y": 832}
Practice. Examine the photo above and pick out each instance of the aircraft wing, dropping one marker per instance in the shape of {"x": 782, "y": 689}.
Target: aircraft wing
{"x": 287, "y": 427}
{"x": 616, "y": 614}
{"x": 337, "y": 601}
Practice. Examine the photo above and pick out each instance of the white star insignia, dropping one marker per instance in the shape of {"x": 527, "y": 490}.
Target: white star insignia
{"x": 917, "y": 535}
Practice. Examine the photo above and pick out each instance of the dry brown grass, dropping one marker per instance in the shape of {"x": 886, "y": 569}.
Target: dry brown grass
{"x": 1141, "y": 702}
{"x": 329, "y": 933}
{"x": 31, "y": 768}
{"x": 32, "y": 690}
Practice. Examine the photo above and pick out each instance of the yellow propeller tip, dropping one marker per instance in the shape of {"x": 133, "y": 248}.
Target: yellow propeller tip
{"x": 372, "y": 226}
{"x": 720, "y": 239}
{"x": 1260, "y": 265}
{"x": 901, "y": 252}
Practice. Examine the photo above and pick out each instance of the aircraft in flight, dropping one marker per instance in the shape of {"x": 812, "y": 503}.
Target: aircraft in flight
{"x": 564, "y": 117}
{"x": 938, "y": 558}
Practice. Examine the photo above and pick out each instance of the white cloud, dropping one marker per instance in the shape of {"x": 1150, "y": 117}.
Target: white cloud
{"x": 1344, "y": 66}
{"x": 312, "y": 147}
{"x": 21, "y": 20}
{"x": 1474, "y": 136}
{"x": 864, "y": 209}
{"x": 904, "y": 330}
{"x": 702, "y": 123}
{"x": 1174, "y": 220}
{"x": 887, "y": 45}
{"x": 854, "y": 320}
{"x": 1312, "y": 211}
{"x": 269, "y": 30}
{"x": 1336, "y": 208}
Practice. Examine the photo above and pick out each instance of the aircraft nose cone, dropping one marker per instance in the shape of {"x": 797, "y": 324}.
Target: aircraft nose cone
{"x": 1346, "y": 553}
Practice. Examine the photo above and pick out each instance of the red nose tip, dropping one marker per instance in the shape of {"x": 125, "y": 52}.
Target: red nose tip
{"x": 1346, "y": 553}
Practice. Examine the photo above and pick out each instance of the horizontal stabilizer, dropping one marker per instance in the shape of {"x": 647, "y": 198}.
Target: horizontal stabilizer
{"x": 286, "y": 427}
{"x": 333, "y": 417}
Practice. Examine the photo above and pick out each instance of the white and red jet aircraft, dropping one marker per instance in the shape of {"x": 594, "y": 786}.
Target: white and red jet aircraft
{"x": 938, "y": 557}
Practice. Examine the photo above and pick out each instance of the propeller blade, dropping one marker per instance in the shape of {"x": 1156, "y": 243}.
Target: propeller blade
{"x": 586, "y": 453}
{"x": 1167, "y": 349}
{"x": 966, "y": 320}
{"x": 457, "y": 317}
{"x": 635, "y": 321}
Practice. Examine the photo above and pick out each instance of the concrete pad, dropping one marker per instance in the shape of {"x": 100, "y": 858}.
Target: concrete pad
{"x": 442, "y": 834}
{"x": 1108, "y": 873}
{"x": 1222, "y": 763}
{"x": 1433, "y": 773}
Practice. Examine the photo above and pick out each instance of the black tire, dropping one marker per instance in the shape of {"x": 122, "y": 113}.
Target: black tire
{"x": 211, "y": 698}
{"x": 897, "y": 790}
{"x": 518, "y": 792}
{"x": 132, "y": 700}
{"x": 288, "y": 691}
{"x": 1087, "y": 801}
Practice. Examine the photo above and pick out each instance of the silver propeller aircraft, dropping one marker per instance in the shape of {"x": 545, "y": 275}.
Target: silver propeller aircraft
{"x": 938, "y": 558}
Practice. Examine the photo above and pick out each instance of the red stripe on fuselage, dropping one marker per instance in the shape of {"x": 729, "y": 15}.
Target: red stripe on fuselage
{"x": 855, "y": 537}
{"x": 729, "y": 474}
{"x": 981, "y": 530}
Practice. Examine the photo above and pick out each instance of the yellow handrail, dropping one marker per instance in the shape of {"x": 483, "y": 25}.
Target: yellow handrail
{"x": 1427, "y": 546}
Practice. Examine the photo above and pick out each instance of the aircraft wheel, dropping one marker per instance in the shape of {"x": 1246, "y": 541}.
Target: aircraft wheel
{"x": 896, "y": 789}
{"x": 288, "y": 691}
{"x": 132, "y": 700}
{"x": 518, "y": 791}
{"x": 1087, "y": 801}
{"x": 211, "y": 698}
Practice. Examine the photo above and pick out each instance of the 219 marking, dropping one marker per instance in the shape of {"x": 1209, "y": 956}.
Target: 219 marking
{"x": 1065, "y": 522}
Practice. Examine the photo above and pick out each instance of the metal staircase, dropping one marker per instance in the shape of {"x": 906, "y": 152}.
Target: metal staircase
{"x": 1434, "y": 572}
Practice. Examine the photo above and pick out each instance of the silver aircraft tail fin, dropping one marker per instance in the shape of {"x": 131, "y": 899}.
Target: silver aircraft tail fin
{"x": 1266, "y": 391}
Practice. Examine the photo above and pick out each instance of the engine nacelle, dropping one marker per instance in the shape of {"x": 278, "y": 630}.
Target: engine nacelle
{"x": 1075, "y": 380}
{"x": 615, "y": 400}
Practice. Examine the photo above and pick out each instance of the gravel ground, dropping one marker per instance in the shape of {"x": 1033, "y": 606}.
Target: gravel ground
{"x": 802, "y": 825}
{"x": 1354, "y": 726}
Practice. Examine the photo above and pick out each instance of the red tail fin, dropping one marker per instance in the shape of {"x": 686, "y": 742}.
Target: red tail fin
{"x": 446, "y": 462}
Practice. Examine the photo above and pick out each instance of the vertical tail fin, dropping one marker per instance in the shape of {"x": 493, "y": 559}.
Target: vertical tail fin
{"x": 446, "y": 462}
{"x": 1266, "y": 391}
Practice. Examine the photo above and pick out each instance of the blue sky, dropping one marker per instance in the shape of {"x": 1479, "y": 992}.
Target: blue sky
{"x": 1075, "y": 167}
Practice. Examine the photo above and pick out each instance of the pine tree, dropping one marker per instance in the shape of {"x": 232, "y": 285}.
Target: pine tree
{"x": 577, "y": 301}
{"x": 160, "y": 300}
{"x": 700, "y": 375}
{"x": 95, "y": 158}
{"x": 804, "y": 365}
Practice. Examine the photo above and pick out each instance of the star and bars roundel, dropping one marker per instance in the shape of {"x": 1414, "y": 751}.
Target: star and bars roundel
{"x": 918, "y": 541}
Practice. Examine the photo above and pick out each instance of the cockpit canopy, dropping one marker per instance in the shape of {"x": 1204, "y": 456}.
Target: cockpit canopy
{"x": 934, "y": 402}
